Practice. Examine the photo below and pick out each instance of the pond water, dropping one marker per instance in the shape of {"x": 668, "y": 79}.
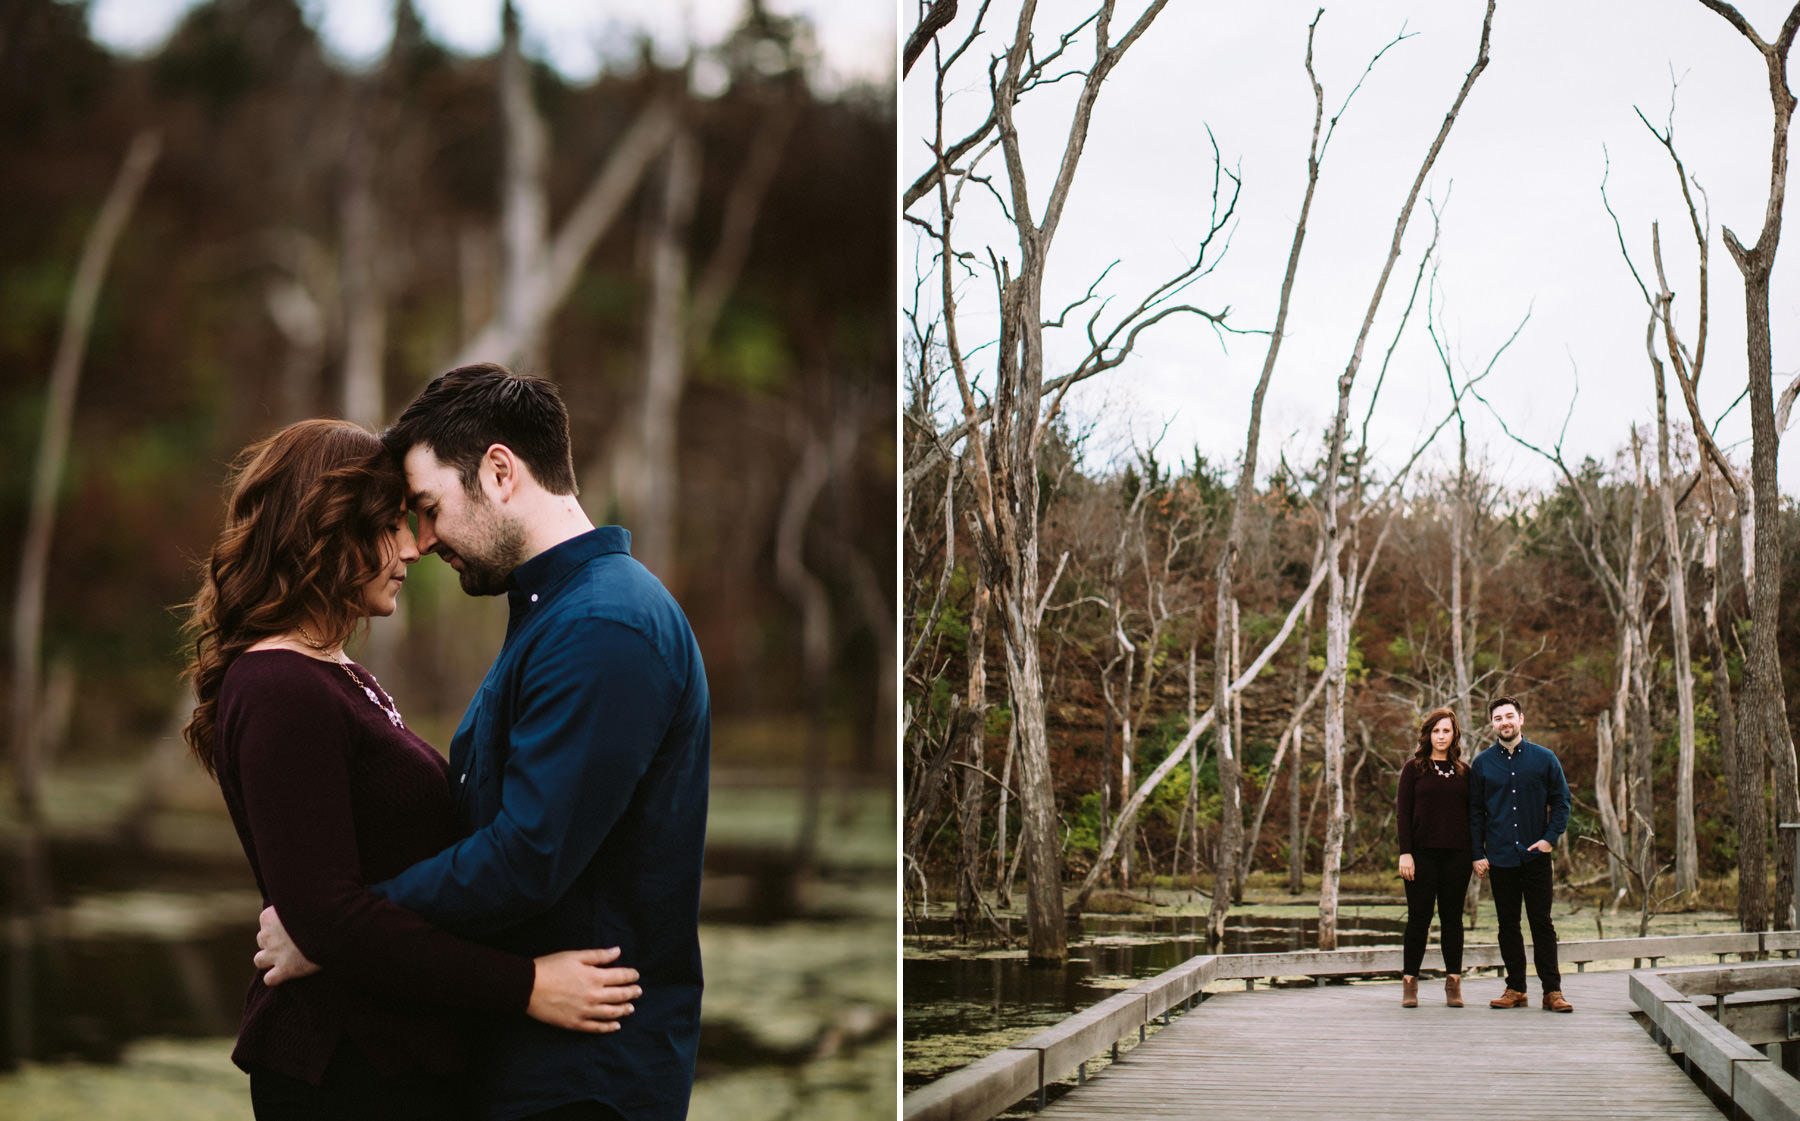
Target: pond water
{"x": 962, "y": 1002}
{"x": 140, "y": 977}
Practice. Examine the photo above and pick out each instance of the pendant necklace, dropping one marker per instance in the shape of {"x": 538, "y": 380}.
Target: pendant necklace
{"x": 383, "y": 702}
{"x": 1441, "y": 770}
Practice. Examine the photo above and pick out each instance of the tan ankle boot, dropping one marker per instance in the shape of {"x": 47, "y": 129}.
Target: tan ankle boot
{"x": 1511, "y": 998}
{"x": 1453, "y": 992}
{"x": 1409, "y": 992}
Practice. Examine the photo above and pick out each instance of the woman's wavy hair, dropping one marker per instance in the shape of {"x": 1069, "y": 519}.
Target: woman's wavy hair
{"x": 1422, "y": 757}
{"x": 304, "y": 529}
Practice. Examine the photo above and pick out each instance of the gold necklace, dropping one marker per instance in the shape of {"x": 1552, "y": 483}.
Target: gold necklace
{"x": 306, "y": 637}
{"x": 384, "y": 702}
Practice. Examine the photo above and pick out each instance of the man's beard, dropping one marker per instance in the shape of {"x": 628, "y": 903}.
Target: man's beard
{"x": 492, "y": 556}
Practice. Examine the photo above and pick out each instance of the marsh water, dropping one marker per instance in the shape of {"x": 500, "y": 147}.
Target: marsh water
{"x": 136, "y": 975}
{"x": 964, "y": 1001}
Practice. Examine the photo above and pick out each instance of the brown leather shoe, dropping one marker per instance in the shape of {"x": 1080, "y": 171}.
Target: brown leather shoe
{"x": 1511, "y": 998}
{"x": 1409, "y": 992}
{"x": 1554, "y": 1002}
{"x": 1453, "y": 992}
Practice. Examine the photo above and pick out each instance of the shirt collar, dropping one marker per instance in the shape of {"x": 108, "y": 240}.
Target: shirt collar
{"x": 1514, "y": 750}
{"x": 542, "y": 573}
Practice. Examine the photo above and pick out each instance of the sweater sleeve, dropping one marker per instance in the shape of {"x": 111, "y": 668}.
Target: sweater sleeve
{"x": 1477, "y": 814}
{"x": 294, "y": 770}
{"x": 1403, "y": 813}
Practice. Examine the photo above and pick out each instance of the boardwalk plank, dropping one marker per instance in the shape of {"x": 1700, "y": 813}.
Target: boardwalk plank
{"x": 1352, "y": 1051}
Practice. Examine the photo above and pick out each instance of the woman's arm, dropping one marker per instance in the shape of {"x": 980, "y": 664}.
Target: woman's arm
{"x": 1403, "y": 810}
{"x": 1403, "y": 813}
{"x": 294, "y": 779}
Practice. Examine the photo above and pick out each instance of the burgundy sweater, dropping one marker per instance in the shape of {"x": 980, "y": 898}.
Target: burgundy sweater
{"x": 328, "y": 795}
{"x": 1434, "y": 810}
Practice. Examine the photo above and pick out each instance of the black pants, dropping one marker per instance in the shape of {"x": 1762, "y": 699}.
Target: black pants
{"x": 1440, "y": 877}
{"x": 352, "y": 1090}
{"x": 1529, "y": 882}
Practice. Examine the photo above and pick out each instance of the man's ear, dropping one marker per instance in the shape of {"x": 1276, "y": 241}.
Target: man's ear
{"x": 500, "y": 472}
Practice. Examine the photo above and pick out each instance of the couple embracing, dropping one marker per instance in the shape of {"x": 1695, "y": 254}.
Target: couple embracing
{"x": 1499, "y": 817}
{"x": 441, "y": 939}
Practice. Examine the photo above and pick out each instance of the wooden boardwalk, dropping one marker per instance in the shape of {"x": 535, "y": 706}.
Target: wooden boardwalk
{"x": 1351, "y": 1051}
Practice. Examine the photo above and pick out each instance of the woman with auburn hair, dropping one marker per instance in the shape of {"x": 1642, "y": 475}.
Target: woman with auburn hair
{"x": 330, "y": 791}
{"x": 1433, "y": 820}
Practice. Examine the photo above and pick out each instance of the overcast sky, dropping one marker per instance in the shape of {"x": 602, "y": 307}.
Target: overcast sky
{"x": 856, "y": 37}
{"x": 1524, "y": 230}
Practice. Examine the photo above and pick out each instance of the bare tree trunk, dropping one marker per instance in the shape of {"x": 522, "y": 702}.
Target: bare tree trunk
{"x": 1640, "y": 799}
{"x": 365, "y": 297}
{"x": 1296, "y": 838}
{"x": 1246, "y": 846}
{"x": 646, "y": 466}
{"x": 296, "y": 302}
{"x": 537, "y": 273}
{"x": 53, "y": 448}
{"x": 1687, "y": 849}
{"x": 1007, "y": 489}
{"x": 645, "y": 458}
{"x": 525, "y": 206}
{"x": 1743, "y": 775}
{"x": 1190, "y": 811}
{"x": 1002, "y": 872}
{"x": 1290, "y": 736}
{"x": 1337, "y": 607}
{"x": 1605, "y": 792}
{"x": 1337, "y": 650}
{"x": 1762, "y": 720}
{"x": 1231, "y": 821}
{"x": 1225, "y": 749}
{"x": 968, "y": 816}
{"x": 820, "y": 458}
{"x": 32, "y": 888}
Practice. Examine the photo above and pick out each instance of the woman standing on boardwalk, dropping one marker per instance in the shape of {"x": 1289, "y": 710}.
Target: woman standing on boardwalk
{"x": 1433, "y": 820}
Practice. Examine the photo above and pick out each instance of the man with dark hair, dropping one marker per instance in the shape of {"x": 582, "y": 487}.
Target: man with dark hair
{"x": 1518, "y": 809}
{"x": 581, "y": 767}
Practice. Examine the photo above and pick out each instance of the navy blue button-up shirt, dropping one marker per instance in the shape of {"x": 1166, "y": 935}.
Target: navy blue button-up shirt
{"x": 1516, "y": 799}
{"x": 581, "y": 779}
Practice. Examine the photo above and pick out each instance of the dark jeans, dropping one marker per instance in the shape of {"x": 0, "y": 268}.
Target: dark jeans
{"x": 1529, "y": 882}
{"x": 1440, "y": 877}
{"x": 352, "y": 1090}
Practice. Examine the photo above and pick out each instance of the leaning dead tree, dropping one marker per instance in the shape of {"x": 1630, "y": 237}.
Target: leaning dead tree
{"x": 52, "y": 455}
{"x": 1762, "y": 713}
{"x": 1228, "y": 859}
{"x": 1001, "y": 439}
{"x": 539, "y": 269}
{"x": 1337, "y": 607}
{"x": 30, "y": 887}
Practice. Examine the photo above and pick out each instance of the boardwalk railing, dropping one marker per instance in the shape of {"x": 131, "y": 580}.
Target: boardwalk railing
{"x": 1721, "y": 1044}
{"x": 992, "y": 1084}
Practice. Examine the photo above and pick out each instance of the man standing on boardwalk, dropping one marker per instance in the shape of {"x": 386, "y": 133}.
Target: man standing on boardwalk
{"x": 1518, "y": 809}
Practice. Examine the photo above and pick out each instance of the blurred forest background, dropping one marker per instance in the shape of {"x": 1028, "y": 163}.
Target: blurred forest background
{"x": 699, "y": 254}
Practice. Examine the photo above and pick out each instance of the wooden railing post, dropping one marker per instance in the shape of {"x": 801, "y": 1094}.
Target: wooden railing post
{"x": 1793, "y": 830}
